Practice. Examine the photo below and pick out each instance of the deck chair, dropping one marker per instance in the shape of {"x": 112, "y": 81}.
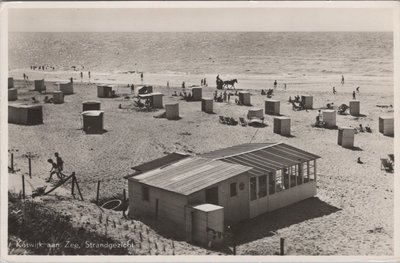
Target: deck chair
{"x": 242, "y": 121}
{"x": 386, "y": 165}
{"x": 222, "y": 119}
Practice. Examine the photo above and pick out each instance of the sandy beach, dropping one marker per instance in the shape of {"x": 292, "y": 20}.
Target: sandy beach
{"x": 352, "y": 213}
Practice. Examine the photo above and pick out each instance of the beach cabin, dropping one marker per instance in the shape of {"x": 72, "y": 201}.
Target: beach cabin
{"x": 307, "y": 101}
{"x": 272, "y": 107}
{"x": 255, "y": 113}
{"x": 354, "y": 106}
{"x": 197, "y": 93}
{"x": 156, "y": 99}
{"x": 346, "y": 137}
{"x": 172, "y": 111}
{"x": 39, "y": 85}
{"x": 25, "y": 114}
{"x": 66, "y": 87}
{"x": 386, "y": 125}
{"x": 199, "y": 195}
{"x": 282, "y": 125}
{"x": 93, "y": 121}
{"x": 329, "y": 117}
{"x": 12, "y": 94}
{"x": 10, "y": 82}
{"x": 244, "y": 98}
{"x": 207, "y": 105}
{"x": 89, "y": 105}
{"x": 104, "y": 91}
{"x": 58, "y": 97}
{"x": 145, "y": 89}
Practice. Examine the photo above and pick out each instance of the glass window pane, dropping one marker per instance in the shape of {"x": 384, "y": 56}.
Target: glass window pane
{"x": 271, "y": 184}
{"x": 262, "y": 186}
{"x": 233, "y": 189}
{"x": 253, "y": 188}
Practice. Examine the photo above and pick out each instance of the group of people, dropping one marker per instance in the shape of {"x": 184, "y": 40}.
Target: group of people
{"x": 43, "y": 67}
{"x": 204, "y": 82}
{"x": 222, "y": 97}
{"x": 57, "y": 167}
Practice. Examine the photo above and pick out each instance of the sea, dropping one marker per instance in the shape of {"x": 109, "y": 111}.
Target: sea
{"x": 254, "y": 55}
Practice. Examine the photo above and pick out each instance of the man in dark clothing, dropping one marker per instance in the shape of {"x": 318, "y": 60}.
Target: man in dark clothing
{"x": 60, "y": 163}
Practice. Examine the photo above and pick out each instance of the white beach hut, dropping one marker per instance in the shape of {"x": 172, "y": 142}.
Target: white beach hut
{"x": 346, "y": 137}
{"x": 25, "y": 114}
{"x": 354, "y": 107}
{"x": 12, "y": 94}
{"x": 197, "y": 93}
{"x": 207, "y": 105}
{"x": 10, "y": 82}
{"x": 272, "y": 107}
{"x": 172, "y": 111}
{"x": 244, "y": 98}
{"x": 329, "y": 117}
{"x": 93, "y": 121}
{"x": 58, "y": 97}
{"x": 307, "y": 100}
{"x": 282, "y": 125}
{"x": 89, "y": 105}
{"x": 386, "y": 125}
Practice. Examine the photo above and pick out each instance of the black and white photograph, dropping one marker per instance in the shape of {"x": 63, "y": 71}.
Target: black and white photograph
{"x": 199, "y": 129}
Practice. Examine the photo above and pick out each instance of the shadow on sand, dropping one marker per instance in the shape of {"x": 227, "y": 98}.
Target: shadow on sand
{"x": 266, "y": 224}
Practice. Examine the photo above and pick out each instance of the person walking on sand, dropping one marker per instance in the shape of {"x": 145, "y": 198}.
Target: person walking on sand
{"x": 358, "y": 89}
{"x": 183, "y": 85}
{"x": 202, "y": 82}
{"x": 60, "y": 163}
{"x": 81, "y": 75}
{"x": 54, "y": 170}
{"x": 71, "y": 79}
{"x": 342, "y": 80}
{"x": 334, "y": 90}
{"x": 354, "y": 95}
{"x": 132, "y": 89}
{"x": 141, "y": 76}
{"x": 275, "y": 84}
{"x": 89, "y": 74}
{"x": 167, "y": 84}
{"x": 284, "y": 86}
{"x": 205, "y": 82}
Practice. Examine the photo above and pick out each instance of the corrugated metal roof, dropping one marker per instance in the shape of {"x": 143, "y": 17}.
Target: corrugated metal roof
{"x": 190, "y": 175}
{"x": 170, "y": 158}
{"x": 263, "y": 157}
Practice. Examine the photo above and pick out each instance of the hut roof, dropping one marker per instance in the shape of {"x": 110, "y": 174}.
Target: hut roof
{"x": 190, "y": 175}
{"x": 150, "y": 94}
{"x": 168, "y": 159}
{"x": 262, "y": 157}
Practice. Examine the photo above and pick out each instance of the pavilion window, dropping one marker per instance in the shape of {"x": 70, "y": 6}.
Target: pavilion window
{"x": 271, "y": 183}
{"x": 306, "y": 174}
{"x": 253, "y": 188}
{"x": 286, "y": 178}
{"x": 311, "y": 170}
{"x": 279, "y": 181}
{"x": 293, "y": 175}
{"x": 262, "y": 186}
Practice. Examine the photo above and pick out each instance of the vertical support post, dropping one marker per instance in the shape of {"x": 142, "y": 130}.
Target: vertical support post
{"x": 315, "y": 170}
{"x": 98, "y": 192}
{"x": 23, "y": 186}
{"x": 30, "y": 167}
{"x": 156, "y": 208}
{"x": 124, "y": 204}
{"x": 234, "y": 244}
{"x": 77, "y": 186}
{"x": 282, "y": 246}
{"x": 12, "y": 162}
{"x": 73, "y": 187}
{"x": 275, "y": 182}
{"x": 289, "y": 170}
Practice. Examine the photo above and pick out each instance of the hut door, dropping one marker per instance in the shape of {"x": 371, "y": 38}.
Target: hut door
{"x": 195, "y": 227}
{"x": 212, "y": 195}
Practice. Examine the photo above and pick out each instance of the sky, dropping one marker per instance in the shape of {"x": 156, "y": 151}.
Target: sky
{"x": 200, "y": 19}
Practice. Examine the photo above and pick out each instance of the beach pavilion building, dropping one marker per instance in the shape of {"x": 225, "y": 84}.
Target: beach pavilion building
{"x": 200, "y": 195}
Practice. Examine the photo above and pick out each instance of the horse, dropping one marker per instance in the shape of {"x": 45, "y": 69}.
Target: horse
{"x": 231, "y": 83}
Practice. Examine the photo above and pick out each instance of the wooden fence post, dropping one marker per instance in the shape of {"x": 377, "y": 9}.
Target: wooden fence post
{"x": 124, "y": 204}
{"x": 77, "y": 186}
{"x": 30, "y": 167}
{"x": 282, "y": 246}
{"x": 98, "y": 192}
{"x": 12, "y": 162}
{"x": 23, "y": 186}
{"x": 73, "y": 187}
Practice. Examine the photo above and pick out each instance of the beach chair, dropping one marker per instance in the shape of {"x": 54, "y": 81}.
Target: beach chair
{"x": 391, "y": 158}
{"x": 387, "y": 166}
{"x": 222, "y": 119}
{"x": 242, "y": 121}
{"x": 228, "y": 120}
{"x": 233, "y": 121}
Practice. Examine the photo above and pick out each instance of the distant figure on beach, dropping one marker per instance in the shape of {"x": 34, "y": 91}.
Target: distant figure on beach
{"x": 275, "y": 84}
{"x": 334, "y": 90}
{"x": 225, "y": 97}
{"x": 60, "y": 163}
{"x": 54, "y": 170}
{"x": 205, "y": 82}
{"x": 342, "y": 80}
{"x": 354, "y": 95}
{"x": 229, "y": 97}
{"x": 141, "y": 77}
{"x": 361, "y": 128}
{"x": 168, "y": 84}
{"x": 215, "y": 95}
{"x": 359, "y": 160}
{"x": 284, "y": 86}
{"x": 71, "y": 79}
{"x": 89, "y": 74}
{"x": 202, "y": 82}
{"x": 132, "y": 89}
{"x": 358, "y": 89}
{"x": 183, "y": 85}
{"x": 81, "y": 75}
